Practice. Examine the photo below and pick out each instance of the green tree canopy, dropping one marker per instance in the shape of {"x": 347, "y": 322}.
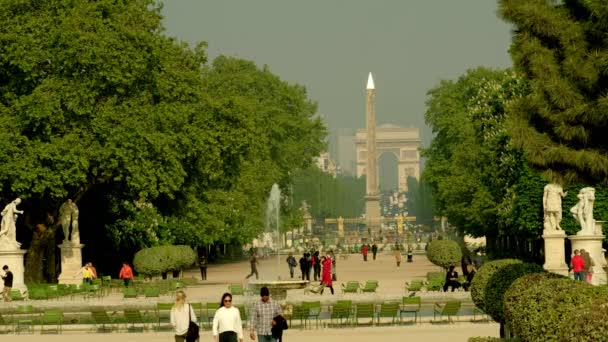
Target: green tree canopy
{"x": 560, "y": 48}
{"x": 97, "y": 105}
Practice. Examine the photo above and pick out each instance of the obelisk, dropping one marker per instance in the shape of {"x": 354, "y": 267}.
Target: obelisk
{"x": 372, "y": 197}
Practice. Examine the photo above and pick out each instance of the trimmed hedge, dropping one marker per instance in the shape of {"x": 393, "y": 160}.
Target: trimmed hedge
{"x": 492, "y": 339}
{"x": 444, "y": 253}
{"x": 499, "y": 283}
{"x": 483, "y": 275}
{"x": 536, "y": 306}
{"x": 588, "y": 324}
{"x": 157, "y": 260}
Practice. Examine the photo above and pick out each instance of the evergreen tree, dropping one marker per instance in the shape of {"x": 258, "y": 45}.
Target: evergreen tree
{"x": 560, "y": 48}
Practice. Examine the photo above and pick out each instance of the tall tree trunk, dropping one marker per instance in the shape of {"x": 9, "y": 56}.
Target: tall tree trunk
{"x": 34, "y": 264}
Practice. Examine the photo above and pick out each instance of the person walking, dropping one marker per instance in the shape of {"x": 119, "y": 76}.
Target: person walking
{"x": 316, "y": 266}
{"x": 264, "y": 312}
{"x": 126, "y": 274}
{"x": 227, "y": 324}
{"x": 303, "y": 266}
{"x": 587, "y": 269}
{"x": 253, "y": 261}
{"x": 331, "y": 254}
{"x": 308, "y": 265}
{"x": 181, "y": 315}
{"x": 291, "y": 263}
{"x": 374, "y": 250}
{"x": 202, "y": 264}
{"x": 326, "y": 276}
{"x": 364, "y": 252}
{"x": 8, "y": 283}
{"x": 398, "y": 257}
{"x": 86, "y": 274}
{"x": 578, "y": 265}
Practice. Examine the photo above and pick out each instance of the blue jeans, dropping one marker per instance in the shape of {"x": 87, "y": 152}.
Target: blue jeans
{"x": 266, "y": 338}
{"x": 578, "y": 276}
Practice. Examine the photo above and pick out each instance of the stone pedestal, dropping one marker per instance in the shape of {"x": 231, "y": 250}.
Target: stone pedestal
{"x": 593, "y": 245}
{"x": 555, "y": 255}
{"x": 14, "y": 260}
{"x": 71, "y": 263}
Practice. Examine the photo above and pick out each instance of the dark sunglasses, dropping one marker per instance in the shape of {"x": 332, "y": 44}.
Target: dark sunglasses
{"x": 227, "y": 300}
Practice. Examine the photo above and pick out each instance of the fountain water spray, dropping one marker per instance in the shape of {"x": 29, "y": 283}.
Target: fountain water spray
{"x": 273, "y": 212}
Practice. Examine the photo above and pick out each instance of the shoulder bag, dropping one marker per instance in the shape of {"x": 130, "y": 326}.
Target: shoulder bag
{"x": 193, "y": 333}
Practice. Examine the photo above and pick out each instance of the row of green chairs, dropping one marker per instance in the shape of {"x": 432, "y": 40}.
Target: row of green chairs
{"x": 353, "y": 286}
{"x": 345, "y": 313}
{"x": 25, "y": 317}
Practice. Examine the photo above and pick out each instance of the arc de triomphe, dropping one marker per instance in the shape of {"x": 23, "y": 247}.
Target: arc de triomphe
{"x": 403, "y": 143}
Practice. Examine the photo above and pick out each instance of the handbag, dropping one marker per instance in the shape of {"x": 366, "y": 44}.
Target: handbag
{"x": 193, "y": 329}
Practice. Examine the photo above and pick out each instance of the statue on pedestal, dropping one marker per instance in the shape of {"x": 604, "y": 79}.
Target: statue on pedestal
{"x": 8, "y": 227}
{"x": 68, "y": 214}
{"x": 552, "y": 207}
{"x": 583, "y": 211}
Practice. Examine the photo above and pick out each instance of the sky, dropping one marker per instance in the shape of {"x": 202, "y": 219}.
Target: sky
{"x": 330, "y": 46}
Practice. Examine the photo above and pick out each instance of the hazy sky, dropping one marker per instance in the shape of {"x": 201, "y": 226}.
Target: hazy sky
{"x": 329, "y": 46}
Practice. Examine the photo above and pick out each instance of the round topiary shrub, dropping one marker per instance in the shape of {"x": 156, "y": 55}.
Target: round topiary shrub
{"x": 483, "y": 275}
{"x": 535, "y": 306}
{"x": 444, "y": 253}
{"x": 157, "y": 260}
{"x": 587, "y": 324}
{"x": 499, "y": 283}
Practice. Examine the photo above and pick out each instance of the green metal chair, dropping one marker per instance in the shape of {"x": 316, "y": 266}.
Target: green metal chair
{"x": 299, "y": 311}
{"x": 208, "y": 312}
{"x": 134, "y": 318}
{"x": 414, "y": 285}
{"x": 370, "y": 286}
{"x": 388, "y": 310}
{"x": 244, "y": 315}
{"x": 6, "y": 321}
{"x": 314, "y": 311}
{"x": 449, "y": 309}
{"x": 37, "y": 293}
{"x": 101, "y": 318}
{"x": 341, "y": 312}
{"x": 129, "y": 292}
{"x": 51, "y": 317}
{"x": 410, "y": 305}
{"x": 24, "y": 318}
{"x": 364, "y": 310}
{"x": 152, "y": 292}
{"x": 163, "y": 313}
{"x": 351, "y": 287}
{"x": 236, "y": 289}
{"x": 16, "y": 295}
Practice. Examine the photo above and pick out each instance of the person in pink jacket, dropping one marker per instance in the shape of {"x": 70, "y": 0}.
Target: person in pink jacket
{"x": 326, "y": 273}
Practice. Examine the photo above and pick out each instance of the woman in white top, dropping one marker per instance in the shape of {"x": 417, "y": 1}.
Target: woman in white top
{"x": 179, "y": 316}
{"x": 227, "y": 324}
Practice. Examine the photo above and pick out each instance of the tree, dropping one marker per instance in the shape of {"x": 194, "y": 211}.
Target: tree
{"x": 559, "y": 47}
{"x": 328, "y": 196}
{"x": 98, "y": 106}
{"x": 420, "y": 201}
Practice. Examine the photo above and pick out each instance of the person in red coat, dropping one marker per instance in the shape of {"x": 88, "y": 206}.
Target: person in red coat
{"x": 326, "y": 273}
{"x": 364, "y": 249}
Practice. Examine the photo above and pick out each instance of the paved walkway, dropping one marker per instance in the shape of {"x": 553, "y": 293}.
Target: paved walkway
{"x": 441, "y": 333}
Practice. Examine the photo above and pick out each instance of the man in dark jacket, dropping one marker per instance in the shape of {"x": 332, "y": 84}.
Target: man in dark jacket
{"x": 8, "y": 283}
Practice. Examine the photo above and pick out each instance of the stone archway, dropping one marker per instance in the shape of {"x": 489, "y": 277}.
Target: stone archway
{"x": 403, "y": 142}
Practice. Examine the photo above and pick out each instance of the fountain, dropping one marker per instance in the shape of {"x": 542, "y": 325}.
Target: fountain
{"x": 278, "y": 288}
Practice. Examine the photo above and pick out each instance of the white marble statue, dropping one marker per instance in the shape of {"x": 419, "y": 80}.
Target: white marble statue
{"x": 68, "y": 214}
{"x": 8, "y": 227}
{"x": 552, "y": 207}
{"x": 583, "y": 211}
